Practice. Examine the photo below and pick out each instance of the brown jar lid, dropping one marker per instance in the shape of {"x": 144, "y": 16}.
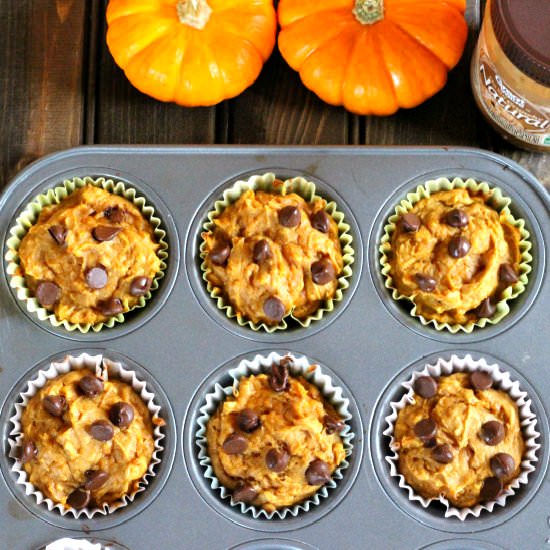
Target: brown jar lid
{"x": 522, "y": 28}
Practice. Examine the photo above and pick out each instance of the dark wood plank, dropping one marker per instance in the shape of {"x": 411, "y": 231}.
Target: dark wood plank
{"x": 125, "y": 115}
{"x": 449, "y": 118}
{"x": 41, "y": 65}
{"x": 278, "y": 109}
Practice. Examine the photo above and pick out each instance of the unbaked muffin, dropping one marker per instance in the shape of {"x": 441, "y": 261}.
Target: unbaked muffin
{"x": 90, "y": 257}
{"x": 86, "y": 442}
{"x": 453, "y": 255}
{"x": 460, "y": 439}
{"x": 276, "y": 441}
{"x": 273, "y": 255}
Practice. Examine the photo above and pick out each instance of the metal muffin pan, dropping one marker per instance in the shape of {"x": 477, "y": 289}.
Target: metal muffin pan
{"x": 366, "y": 342}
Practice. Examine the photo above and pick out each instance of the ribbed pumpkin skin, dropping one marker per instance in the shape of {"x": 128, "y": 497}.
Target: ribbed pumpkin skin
{"x": 399, "y": 61}
{"x": 172, "y": 61}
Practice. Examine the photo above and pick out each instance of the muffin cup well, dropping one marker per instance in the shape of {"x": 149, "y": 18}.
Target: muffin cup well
{"x": 103, "y": 368}
{"x": 300, "y": 366}
{"x": 29, "y": 216}
{"x": 307, "y": 190}
{"x": 504, "y": 382}
{"x": 496, "y": 199}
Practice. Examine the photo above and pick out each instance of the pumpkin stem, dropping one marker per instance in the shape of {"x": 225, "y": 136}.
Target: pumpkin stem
{"x": 368, "y": 12}
{"x": 195, "y": 13}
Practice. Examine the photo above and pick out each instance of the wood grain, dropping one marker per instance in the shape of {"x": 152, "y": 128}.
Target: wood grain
{"x": 122, "y": 114}
{"x": 41, "y": 99}
{"x": 278, "y": 109}
{"x": 60, "y": 87}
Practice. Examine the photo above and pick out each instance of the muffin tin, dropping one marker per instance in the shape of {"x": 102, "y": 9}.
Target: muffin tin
{"x": 181, "y": 343}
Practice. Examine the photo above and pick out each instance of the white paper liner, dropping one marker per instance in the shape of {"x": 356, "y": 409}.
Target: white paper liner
{"x": 502, "y": 381}
{"x": 75, "y": 544}
{"x": 102, "y": 367}
{"x": 301, "y": 366}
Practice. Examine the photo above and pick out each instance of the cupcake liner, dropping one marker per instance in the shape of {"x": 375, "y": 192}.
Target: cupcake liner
{"x": 29, "y": 217}
{"x": 103, "y": 368}
{"x": 301, "y": 366}
{"x": 307, "y": 190}
{"x": 504, "y": 382}
{"x": 75, "y": 544}
{"x": 496, "y": 199}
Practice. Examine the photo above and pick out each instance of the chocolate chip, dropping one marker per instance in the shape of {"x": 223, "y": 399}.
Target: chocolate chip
{"x": 274, "y": 309}
{"x": 486, "y": 309}
{"x": 58, "y": 233}
{"x": 90, "y": 386}
{"x": 121, "y": 414}
{"x": 101, "y": 430}
{"x": 318, "y": 472}
{"x": 103, "y": 233}
{"x": 278, "y": 379}
{"x": 277, "y": 460}
{"x": 457, "y": 218}
{"x": 289, "y": 216}
{"x": 140, "y": 285}
{"x": 333, "y": 425}
{"x": 287, "y": 361}
{"x": 443, "y": 453}
{"x": 114, "y": 214}
{"x": 96, "y": 277}
{"x": 56, "y": 405}
{"x": 28, "y": 451}
{"x": 491, "y": 488}
{"x": 502, "y": 465}
{"x": 430, "y": 443}
{"x": 95, "y": 479}
{"x": 480, "y": 380}
{"x": 425, "y": 429}
{"x": 425, "y": 282}
{"x": 235, "y": 444}
{"x": 425, "y": 386}
{"x": 320, "y": 221}
{"x": 79, "y": 498}
{"x": 410, "y": 222}
{"x": 47, "y": 293}
{"x": 261, "y": 252}
{"x": 323, "y": 272}
{"x": 248, "y": 420}
{"x": 507, "y": 274}
{"x": 244, "y": 493}
{"x": 220, "y": 253}
{"x": 492, "y": 432}
{"x": 111, "y": 306}
{"x": 458, "y": 247}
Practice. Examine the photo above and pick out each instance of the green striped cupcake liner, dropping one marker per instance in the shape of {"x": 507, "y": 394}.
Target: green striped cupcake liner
{"x": 495, "y": 198}
{"x": 29, "y": 216}
{"x": 307, "y": 190}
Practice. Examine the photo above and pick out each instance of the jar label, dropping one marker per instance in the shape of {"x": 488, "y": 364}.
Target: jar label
{"x": 507, "y": 108}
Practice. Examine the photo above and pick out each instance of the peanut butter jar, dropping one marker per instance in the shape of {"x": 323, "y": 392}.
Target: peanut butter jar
{"x": 510, "y": 71}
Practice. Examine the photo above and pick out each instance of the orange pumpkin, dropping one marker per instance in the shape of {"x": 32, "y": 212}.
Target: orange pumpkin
{"x": 193, "y": 52}
{"x": 372, "y": 56}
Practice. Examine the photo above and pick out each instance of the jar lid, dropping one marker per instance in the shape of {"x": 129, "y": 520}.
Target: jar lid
{"x": 522, "y": 28}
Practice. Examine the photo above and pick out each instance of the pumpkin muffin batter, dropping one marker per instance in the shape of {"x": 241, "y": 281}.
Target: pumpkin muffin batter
{"x": 274, "y": 255}
{"x": 276, "y": 441}
{"x": 90, "y": 257}
{"x": 460, "y": 439}
{"x": 86, "y": 441}
{"x": 453, "y": 255}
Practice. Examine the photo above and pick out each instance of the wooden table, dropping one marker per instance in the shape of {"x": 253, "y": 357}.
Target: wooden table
{"x": 59, "y": 87}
